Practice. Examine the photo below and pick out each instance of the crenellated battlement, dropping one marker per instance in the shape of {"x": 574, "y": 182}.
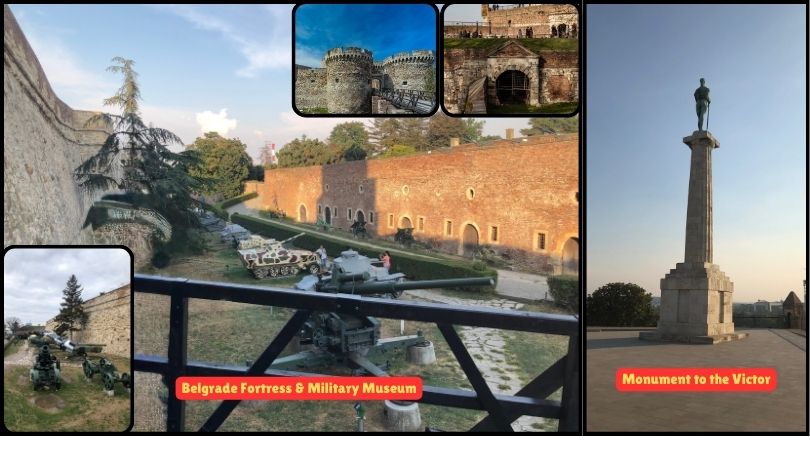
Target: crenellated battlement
{"x": 348, "y": 54}
{"x": 416, "y": 56}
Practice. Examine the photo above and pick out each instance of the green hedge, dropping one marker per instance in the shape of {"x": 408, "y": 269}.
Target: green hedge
{"x": 416, "y": 267}
{"x": 225, "y": 204}
{"x": 216, "y": 209}
{"x": 564, "y": 289}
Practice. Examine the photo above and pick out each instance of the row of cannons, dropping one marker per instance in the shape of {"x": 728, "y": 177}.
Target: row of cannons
{"x": 46, "y": 372}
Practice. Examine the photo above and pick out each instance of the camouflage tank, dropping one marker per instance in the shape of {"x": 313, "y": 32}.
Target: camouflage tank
{"x": 271, "y": 259}
{"x": 46, "y": 370}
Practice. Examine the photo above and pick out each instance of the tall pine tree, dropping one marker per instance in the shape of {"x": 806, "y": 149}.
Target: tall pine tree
{"x": 71, "y": 310}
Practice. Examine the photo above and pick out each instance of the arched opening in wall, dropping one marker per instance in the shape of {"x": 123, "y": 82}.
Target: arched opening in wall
{"x": 405, "y": 222}
{"x": 573, "y": 31}
{"x": 327, "y": 215}
{"x": 570, "y": 257}
{"x": 360, "y": 216}
{"x": 469, "y": 240}
{"x": 562, "y": 30}
{"x": 512, "y": 88}
{"x": 553, "y": 31}
{"x": 302, "y": 213}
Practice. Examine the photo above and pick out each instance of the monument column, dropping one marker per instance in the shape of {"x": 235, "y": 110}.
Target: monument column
{"x": 696, "y": 296}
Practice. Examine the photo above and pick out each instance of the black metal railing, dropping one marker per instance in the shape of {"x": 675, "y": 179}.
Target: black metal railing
{"x": 420, "y": 102}
{"x": 531, "y": 400}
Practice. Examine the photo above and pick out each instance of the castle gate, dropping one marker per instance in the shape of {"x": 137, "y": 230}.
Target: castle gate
{"x": 512, "y": 87}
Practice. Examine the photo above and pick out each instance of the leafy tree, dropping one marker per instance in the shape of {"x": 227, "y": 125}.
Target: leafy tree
{"x": 223, "y": 163}
{"x": 13, "y": 323}
{"x": 256, "y": 173}
{"x": 384, "y": 133}
{"x": 354, "y": 153}
{"x": 349, "y": 134}
{"x": 71, "y": 312}
{"x": 413, "y": 132}
{"x": 473, "y": 130}
{"x": 620, "y": 305}
{"x": 440, "y": 128}
{"x": 135, "y": 158}
{"x": 551, "y": 125}
{"x": 303, "y": 151}
{"x": 398, "y": 150}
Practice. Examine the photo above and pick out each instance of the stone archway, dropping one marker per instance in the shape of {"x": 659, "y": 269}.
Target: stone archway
{"x": 562, "y": 30}
{"x": 302, "y": 213}
{"x": 570, "y": 257}
{"x": 512, "y": 88}
{"x": 469, "y": 240}
{"x": 359, "y": 216}
{"x": 405, "y": 222}
{"x": 327, "y": 215}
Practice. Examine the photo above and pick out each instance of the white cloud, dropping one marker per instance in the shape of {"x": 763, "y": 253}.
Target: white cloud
{"x": 263, "y": 39}
{"x": 218, "y": 122}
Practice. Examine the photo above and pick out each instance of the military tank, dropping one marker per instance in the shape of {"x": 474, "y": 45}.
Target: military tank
{"x": 271, "y": 259}
{"x": 47, "y": 370}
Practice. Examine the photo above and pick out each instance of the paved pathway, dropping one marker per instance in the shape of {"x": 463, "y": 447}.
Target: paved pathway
{"x": 487, "y": 347}
{"x": 781, "y": 410}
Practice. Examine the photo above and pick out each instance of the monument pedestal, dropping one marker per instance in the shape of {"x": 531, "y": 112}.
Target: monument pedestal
{"x": 695, "y": 306}
{"x": 696, "y": 295}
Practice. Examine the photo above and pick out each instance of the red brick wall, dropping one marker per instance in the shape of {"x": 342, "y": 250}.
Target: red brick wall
{"x": 522, "y": 187}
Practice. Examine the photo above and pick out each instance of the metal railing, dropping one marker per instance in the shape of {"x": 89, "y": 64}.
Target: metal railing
{"x": 502, "y": 410}
{"x": 420, "y": 102}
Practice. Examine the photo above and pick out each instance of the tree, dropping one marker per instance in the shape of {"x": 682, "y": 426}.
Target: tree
{"x": 350, "y": 141}
{"x": 440, "y": 128}
{"x": 398, "y": 150}
{"x": 256, "y": 173}
{"x": 135, "y": 158}
{"x": 223, "y": 163}
{"x": 384, "y": 133}
{"x": 303, "y": 151}
{"x": 551, "y": 125}
{"x": 71, "y": 312}
{"x": 13, "y": 324}
{"x": 473, "y": 130}
{"x": 620, "y": 305}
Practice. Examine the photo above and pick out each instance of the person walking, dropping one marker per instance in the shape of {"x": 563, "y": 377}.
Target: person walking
{"x": 324, "y": 259}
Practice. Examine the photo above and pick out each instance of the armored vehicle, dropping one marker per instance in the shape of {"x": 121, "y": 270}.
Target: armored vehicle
{"x": 109, "y": 374}
{"x": 233, "y": 233}
{"x": 274, "y": 260}
{"x": 46, "y": 370}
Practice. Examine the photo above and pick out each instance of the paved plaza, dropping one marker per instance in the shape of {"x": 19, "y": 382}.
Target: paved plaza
{"x": 611, "y": 411}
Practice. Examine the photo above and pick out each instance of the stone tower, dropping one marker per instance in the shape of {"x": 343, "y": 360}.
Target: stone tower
{"x": 348, "y": 80}
{"x": 407, "y": 70}
{"x": 696, "y": 295}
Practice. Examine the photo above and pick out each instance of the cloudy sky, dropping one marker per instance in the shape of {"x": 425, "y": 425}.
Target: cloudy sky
{"x": 224, "y": 68}
{"x": 319, "y": 28}
{"x": 644, "y": 63}
{"x": 33, "y": 279}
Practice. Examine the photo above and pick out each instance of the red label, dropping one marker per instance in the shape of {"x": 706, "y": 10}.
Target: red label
{"x": 678, "y": 379}
{"x": 298, "y": 388}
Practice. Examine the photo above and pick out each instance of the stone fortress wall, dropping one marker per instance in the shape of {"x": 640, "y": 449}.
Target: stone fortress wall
{"x": 545, "y": 19}
{"x": 344, "y": 85}
{"x": 521, "y": 187}
{"x": 108, "y": 322}
{"x": 44, "y": 140}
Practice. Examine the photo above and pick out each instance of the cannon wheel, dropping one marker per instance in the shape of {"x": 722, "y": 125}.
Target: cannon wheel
{"x": 109, "y": 382}
{"x": 313, "y": 268}
{"x": 88, "y": 371}
{"x": 125, "y": 380}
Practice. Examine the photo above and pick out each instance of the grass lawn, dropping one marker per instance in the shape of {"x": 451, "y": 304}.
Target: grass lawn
{"x": 553, "y": 108}
{"x": 533, "y": 44}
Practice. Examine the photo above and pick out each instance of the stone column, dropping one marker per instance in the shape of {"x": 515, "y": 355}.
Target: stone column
{"x": 696, "y": 295}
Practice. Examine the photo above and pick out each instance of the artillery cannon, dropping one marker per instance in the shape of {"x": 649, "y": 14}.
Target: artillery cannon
{"x": 109, "y": 374}
{"x": 71, "y": 348}
{"x": 272, "y": 259}
{"x": 46, "y": 370}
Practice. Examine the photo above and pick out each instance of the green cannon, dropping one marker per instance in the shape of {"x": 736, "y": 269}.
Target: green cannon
{"x": 109, "y": 374}
{"x": 46, "y": 371}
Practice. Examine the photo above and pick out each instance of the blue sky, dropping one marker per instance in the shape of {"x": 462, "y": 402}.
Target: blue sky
{"x": 385, "y": 29}
{"x": 643, "y": 64}
{"x": 224, "y": 68}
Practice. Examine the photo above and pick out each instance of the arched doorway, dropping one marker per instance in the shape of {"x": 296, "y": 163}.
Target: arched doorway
{"x": 360, "y": 216}
{"x": 405, "y": 222}
{"x": 570, "y": 257}
{"x": 469, "y": 239}
{"x": 512, "y": 88}
{"x": 561, "y": 30}
{"x": 574, "y": 31}
{"x": 327, "y": 216}
{"x": 553, "y": 31}
{"x": 302, "y": 213}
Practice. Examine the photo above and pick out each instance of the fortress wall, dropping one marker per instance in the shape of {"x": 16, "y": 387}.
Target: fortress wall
{"x": 310, "y": 89}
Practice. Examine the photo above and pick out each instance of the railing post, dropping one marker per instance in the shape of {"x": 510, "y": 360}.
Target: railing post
{"x": 569, "y": 415}
{"x": 177, "y": 358}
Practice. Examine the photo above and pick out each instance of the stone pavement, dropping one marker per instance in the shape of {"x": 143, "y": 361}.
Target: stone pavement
{"x": 521, "y": 285}
{"x": 487, "y": 347}
{"x": 782, "y": 410}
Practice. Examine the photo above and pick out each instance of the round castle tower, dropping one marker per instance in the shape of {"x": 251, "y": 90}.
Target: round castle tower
{"x": 348, "y": 79}
{"x": 407, "y": 70}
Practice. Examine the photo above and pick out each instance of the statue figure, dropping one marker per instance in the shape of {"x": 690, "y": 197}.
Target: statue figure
{"x": 702, "y": 102}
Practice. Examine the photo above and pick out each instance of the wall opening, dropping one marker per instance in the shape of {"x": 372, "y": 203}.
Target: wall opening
{"x": 512, "y": 88}
{"x": 570, "y": 257}
{"x": 405, "y": 222}
{"x": 469, "y": 239}
{"x": 327, "y": 215}
{"x": 360, "y": 216}
{"x": 302, "y": 213}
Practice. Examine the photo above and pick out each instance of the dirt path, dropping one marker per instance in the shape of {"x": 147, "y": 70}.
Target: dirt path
{"x": 24, "y": 356}
{"x": 488, "y": 347}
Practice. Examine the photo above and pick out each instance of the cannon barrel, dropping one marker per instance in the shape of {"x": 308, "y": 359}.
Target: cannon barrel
{"x": 343, "y": 278}
{"x": 292, "y": 238}
{"x": 385, "y": 287}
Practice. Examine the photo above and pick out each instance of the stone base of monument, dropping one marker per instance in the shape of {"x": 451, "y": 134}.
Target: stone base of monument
{"x": 695, "y": 306}
{"x": 421, "y": 354}
{"x": 402, "y": 416}
{"x": 685, "y": 339}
